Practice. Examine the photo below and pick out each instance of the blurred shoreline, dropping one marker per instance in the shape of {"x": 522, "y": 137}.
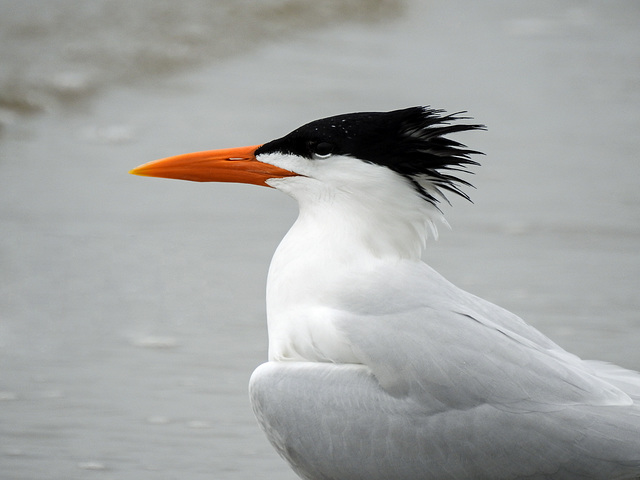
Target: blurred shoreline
{"x": 57, "y": 54}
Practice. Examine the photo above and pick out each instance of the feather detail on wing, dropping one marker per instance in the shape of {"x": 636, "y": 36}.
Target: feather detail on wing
{"x": 471, "y": 352}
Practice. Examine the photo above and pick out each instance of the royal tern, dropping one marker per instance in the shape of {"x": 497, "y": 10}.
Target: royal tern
{"x": 379, "y": 368}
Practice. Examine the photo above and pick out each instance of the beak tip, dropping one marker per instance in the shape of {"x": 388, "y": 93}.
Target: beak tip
{"x": 143, "y": 170}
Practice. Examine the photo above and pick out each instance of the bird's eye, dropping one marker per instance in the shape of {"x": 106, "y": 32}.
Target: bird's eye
{"x": 322, "y": 150}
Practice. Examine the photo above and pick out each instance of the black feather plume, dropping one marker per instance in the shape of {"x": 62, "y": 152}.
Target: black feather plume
{"x": 412, "y": 142}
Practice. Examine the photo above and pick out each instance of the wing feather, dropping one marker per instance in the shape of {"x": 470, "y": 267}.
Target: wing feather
{"x": 456, "y": 350}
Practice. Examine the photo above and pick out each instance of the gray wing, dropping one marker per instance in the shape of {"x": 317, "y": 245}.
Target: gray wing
{"x": 459, "y": 360}
{"x": 332, "y": 421}
{"x": 450, "y": 349}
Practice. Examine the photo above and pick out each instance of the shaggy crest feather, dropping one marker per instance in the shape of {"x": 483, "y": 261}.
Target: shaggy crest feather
{"x": 412, "y": 142}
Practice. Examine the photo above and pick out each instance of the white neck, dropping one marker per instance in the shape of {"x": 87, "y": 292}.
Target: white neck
{"x": 340, "y": 235}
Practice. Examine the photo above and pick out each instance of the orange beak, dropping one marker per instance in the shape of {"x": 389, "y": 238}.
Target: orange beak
{"x": 226, "y": 165}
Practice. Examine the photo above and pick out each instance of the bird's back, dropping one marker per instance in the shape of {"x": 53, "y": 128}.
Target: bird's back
{"x": 448, "y": 386}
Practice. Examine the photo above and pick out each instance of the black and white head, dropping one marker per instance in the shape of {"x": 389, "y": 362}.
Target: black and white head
{"x": 413, "y": 143}
{"x": 382, "y": 170}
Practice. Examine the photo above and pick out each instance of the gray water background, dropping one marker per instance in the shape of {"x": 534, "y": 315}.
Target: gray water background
{"x": 132, "y": 309}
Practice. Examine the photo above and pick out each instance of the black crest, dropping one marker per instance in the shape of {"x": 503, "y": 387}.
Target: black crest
{"x": 412, "y": 142}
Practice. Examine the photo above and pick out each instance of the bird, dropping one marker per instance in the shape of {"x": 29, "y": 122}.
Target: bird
{"x": 378, "y": 367}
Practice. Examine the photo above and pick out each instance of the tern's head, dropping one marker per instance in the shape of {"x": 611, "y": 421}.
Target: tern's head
{"x": 347, "y": 154}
